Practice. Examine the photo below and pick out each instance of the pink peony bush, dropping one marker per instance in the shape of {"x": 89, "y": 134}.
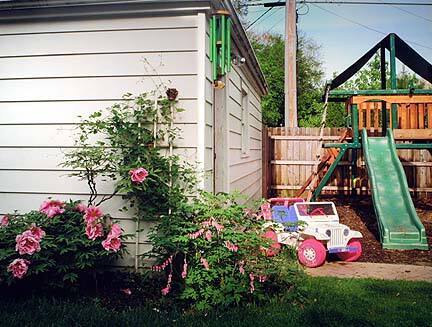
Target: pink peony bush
{"x": 59, "y": 244}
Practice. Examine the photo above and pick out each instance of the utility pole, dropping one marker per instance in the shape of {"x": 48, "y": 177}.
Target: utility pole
{"x": 290, "y": 64}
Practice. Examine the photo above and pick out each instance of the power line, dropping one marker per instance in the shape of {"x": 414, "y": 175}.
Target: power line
{"x": 365, "y": 26}
{"x": 262, "y": 15}
{"x": 411, "y": 13}
{"x": 331, "y": 2}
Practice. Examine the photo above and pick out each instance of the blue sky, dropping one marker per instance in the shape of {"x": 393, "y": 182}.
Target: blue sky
{"x": 342, "y": 42}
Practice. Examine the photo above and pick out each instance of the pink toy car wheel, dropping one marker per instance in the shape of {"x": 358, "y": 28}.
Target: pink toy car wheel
{"x": 351, "y": 255}
{"x": 311, "y": 253}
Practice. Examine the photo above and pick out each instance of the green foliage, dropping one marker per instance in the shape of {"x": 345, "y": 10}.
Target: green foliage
{"x": 270, "y": 50}
{"x": 123, "y": 137}
{"x": 66, "y": 254}
{"x": 203, "y": 231}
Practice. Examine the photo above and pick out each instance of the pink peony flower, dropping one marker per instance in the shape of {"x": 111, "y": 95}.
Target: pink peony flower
{"x": 93, "y": 231}
{"x": 208, "y": 235}
{"x": 37, "y": 232}
{"x": 27, "y": 243}
{"x": 4, "y": 221}
{"x": 112, "y": 244}
{"x": 81, "y": 207}
{"x": 138, "y": 175}
{"x": 92, "y": 214}
{"x": 52, "y": 208}
{"x": 115, "y": 231}
{"x": 18, "y": 267}
{"x": 205, "y": 263}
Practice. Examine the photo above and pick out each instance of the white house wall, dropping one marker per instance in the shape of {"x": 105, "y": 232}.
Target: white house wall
{"x": 245, "y": 170}
{"x": 53, "y": 71}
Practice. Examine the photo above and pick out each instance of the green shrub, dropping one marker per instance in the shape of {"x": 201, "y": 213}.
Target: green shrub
{"x": 214, "y": 254}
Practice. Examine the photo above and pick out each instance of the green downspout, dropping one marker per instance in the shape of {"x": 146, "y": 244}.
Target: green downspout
{"x": 393, "y": 79}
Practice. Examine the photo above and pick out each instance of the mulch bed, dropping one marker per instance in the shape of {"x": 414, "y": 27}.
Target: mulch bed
{"x": 358, "y": 213}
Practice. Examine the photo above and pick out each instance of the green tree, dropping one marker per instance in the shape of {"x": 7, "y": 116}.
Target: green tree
{"x": 269, "y": 49}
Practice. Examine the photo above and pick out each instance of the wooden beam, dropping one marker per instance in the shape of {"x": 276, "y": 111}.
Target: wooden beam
{"x": 357, "y": 99}
{"x": 413, "y": 134}
{"x": 304, "y": 137}
{"x": 344, "y": 163}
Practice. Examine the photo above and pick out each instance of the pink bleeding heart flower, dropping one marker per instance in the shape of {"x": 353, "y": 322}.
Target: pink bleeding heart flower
{"x": 27, "y": 243}
{"x": 231, "y": 247}
{"x": 18, "y": 268}
{"x": 138, "y": 175}
{"x": 4, "y": 221}
{"x": 208, "y": 235}
{"x": 251, "y": 282}
{"x": 241, "y": 267}
{"x": 205, "y": 263}
{"x": 185, "y": 266}
{"x": 92, "y": 214}
{"x": 93, "y": 231}
{"x": 52, "y": 208}
{"x": 126, "y": 291}
{"x": 37, "y": 232}
{"x": 81, "y": 207}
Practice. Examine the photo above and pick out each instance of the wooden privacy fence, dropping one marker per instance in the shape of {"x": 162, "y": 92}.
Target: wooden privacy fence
{"x": 289, "y": 156}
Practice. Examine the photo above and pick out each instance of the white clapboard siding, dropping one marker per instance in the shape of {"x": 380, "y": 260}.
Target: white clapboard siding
{"x": 97, "y": 88}
{"x": 98, "y": 42}
{"x": 17, "y": 158}
{"x": 51, "y": 72}
{"x": 65, "y": 135}
{"x": 47, "y": 182}
{"x": 119, "y": 24}
{"x": 73, "y": 112}
{"x": 25, "y": 202}
{"x": 118, "y": 64}
{"x": 129, "y": 260}
{"x": 245, "y": 169}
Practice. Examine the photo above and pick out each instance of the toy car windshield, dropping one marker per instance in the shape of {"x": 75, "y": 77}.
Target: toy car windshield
{"x": 317, "y": 209}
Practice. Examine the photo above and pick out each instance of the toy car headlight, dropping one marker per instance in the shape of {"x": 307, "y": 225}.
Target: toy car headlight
{"x": 328, "y": 232}
{"x": 346, "y": 232}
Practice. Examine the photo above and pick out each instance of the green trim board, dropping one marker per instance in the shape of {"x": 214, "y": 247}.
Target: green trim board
{"x": 399, "y": 225}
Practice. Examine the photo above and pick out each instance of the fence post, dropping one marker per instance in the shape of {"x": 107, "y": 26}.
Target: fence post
{"x": 266, "y": 169}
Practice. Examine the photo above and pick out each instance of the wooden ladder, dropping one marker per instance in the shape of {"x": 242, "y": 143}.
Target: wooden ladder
{"x": 321, "y": 168}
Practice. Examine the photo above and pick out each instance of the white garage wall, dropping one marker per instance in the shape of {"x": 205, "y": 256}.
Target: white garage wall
{"x": 53, "y": 71}
{"x": 245, "y": 173}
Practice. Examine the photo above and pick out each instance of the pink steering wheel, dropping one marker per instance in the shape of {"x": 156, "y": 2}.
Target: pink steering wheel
{"x": 317, "y": 212}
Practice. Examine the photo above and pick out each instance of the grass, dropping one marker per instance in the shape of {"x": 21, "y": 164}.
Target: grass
{"x": 331, "y": 302}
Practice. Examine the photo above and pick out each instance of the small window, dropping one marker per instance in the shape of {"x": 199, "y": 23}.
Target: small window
{"x": 245, "y": 123}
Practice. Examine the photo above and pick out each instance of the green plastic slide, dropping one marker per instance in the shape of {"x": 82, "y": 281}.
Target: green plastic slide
{"x": 399, "y": 225}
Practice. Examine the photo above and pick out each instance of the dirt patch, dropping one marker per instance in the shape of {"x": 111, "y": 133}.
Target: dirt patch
{"x": 358, "y": 213}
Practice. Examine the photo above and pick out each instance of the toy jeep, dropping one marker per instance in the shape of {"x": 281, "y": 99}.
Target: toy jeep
{"x": 318, "y": 231}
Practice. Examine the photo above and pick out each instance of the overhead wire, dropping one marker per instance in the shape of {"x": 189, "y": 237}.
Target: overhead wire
{"x": 261, "y": 16}
{"x": 366, "y": 26}
{"x": 409, "y": 12}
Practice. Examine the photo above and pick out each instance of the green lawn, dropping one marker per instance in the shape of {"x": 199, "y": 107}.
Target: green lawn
{"x": 332, "y": 302}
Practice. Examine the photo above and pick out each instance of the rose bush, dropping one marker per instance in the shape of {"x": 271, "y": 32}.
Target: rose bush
{"x": 58, "y": 244}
